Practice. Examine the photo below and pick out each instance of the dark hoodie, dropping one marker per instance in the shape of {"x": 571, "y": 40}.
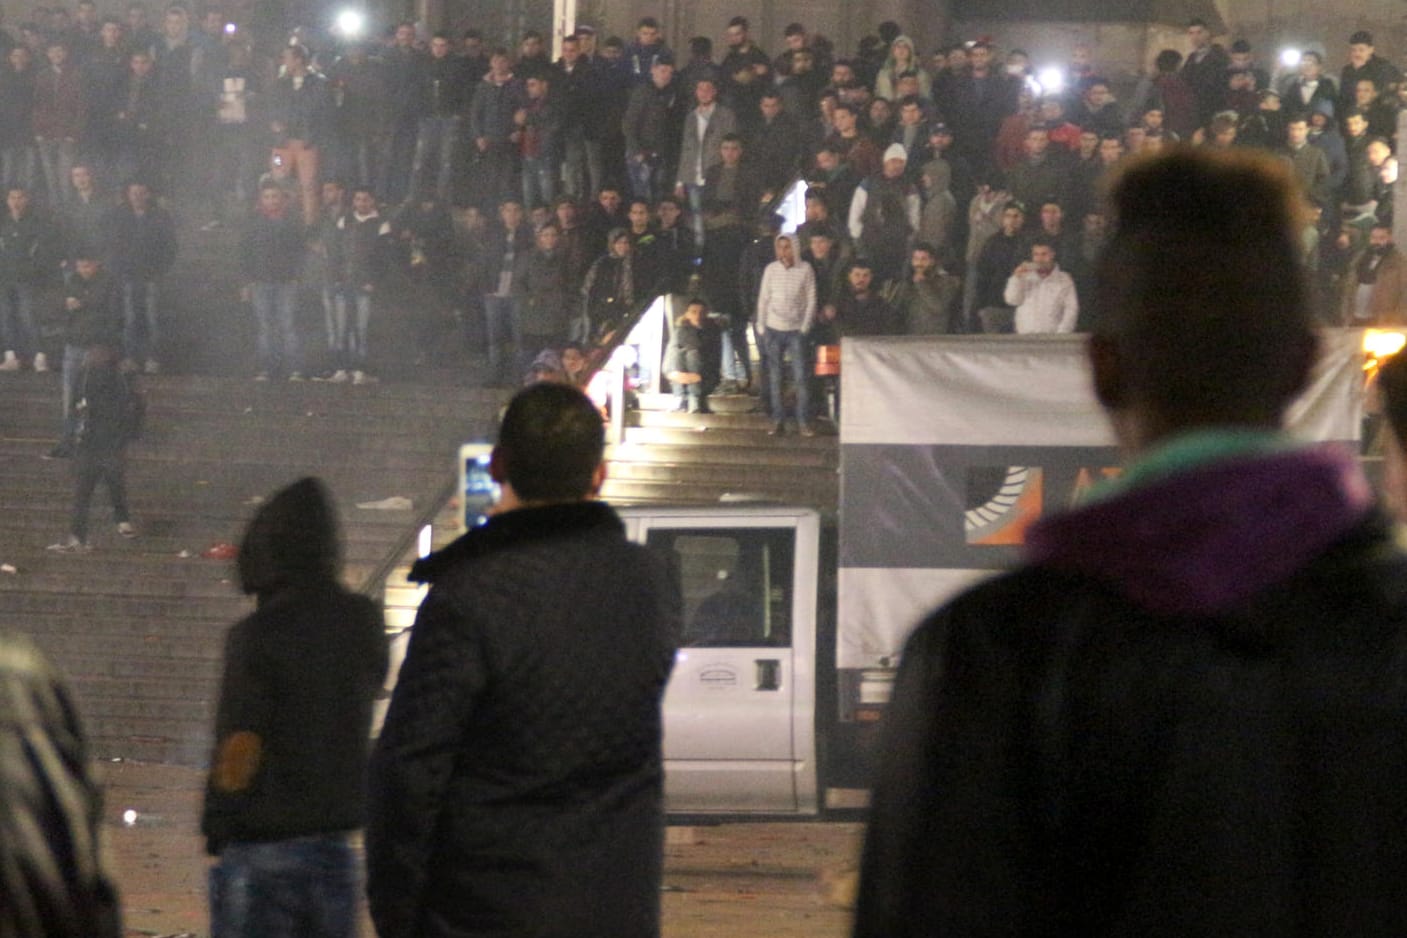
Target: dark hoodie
{"x": 1183, "y": 717}
{"x": 300, "y": 673}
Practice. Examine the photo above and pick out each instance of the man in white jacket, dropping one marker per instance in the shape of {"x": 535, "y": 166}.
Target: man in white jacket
{"x": 1043, "y": 294}
{"x": 786, "y": 309}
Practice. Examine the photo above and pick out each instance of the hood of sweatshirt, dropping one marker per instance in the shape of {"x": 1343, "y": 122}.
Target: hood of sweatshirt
{"x": 1205, "y": 540}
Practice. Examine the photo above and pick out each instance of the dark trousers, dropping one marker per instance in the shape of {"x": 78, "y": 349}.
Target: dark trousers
{"x": 91, "y": 468}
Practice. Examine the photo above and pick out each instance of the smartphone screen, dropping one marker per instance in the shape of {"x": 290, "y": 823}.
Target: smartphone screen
{"x": 477, "y": 490}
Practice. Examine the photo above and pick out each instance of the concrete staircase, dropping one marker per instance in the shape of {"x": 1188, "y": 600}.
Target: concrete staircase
{"x": 673, "y": 458}
{"x": 138, "y": 625}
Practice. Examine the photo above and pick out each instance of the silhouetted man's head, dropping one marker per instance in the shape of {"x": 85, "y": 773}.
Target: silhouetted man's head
{"x": 550, "y": 445}
{"x": 1202, "y": 313}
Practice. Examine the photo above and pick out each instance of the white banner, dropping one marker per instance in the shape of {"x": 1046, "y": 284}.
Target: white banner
{"x": 952, "y": 446}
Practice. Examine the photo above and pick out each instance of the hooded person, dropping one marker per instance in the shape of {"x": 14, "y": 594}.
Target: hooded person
{"x": 52, "y": 878}
{"x": 608, "y": 292}
{"x": 292, "y": 730}
{"x": 1183, "y": 714}
{"x": 902, "y": 60}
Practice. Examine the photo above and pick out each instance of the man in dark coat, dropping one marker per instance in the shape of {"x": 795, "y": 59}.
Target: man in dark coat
{"x": 543, "y": 295}
{"x": 1184, "y": 714}
{"x": 515, "y": 791}
{"x": 286, "y": 784}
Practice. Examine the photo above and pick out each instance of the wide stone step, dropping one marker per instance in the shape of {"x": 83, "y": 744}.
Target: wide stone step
{"x": 806, "y": 493}
{"x": 636, "y": 452}
{"x": 704, "y": 435}
{"x": 736, "y": 475}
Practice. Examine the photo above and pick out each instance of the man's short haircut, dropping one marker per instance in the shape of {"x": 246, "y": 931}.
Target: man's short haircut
{"x": 648, "y": 22}
{"x": 1168, "y": 60}
{"x": 740, "y": 22}
{"x": 356, "y": 190}
{"x": 672, "y": 200}
{"x": 475, "y": 34}
{"x": 1197, "y": 21}
{"x": 1201, "y": 285}
{"x": 926, "y": 247}
{"x": 771, "y": 92}
{"x": 530, "y": 34}
{"x": 794, "y": 29}
{"x": 1311, "y": 54}
{"x": 1042, "y": 241}
{"x": 846, "y": 106}
{"x": 700, "y": 46}
{"x": 732, "y": 138}
{"x": 550, "y": 443}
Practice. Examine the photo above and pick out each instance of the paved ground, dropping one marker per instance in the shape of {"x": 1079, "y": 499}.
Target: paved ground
{"x": 733, "y": 880}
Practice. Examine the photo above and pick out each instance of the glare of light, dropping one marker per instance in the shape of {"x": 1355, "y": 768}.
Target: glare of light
{"x": 350, "y": 23}
{"x": 424, "y": 541}
{"x": 1383, "y": 343}
{"x": 129, "y": 817}
{"x": 1052, "y": 80}
{"x": 1290, "y": 58}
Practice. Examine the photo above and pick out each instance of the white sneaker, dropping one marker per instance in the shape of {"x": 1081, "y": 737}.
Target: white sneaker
{"x": 296, "y": 376}
{"x": 339, "y": 376}
{"x": 262, "y": 376}
{"x": 361, "y": 377}
{"x": 153, "y": 366}
{"x": 125, "y": 529}
{"x": 69, "y": 545}
{"x": 41, "y": 362}
{"x": 11, "y": 363}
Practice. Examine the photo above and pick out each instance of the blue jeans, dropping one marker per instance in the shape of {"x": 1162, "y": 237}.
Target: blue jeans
{"x": 349, "y": 327}
{"x": 646, "y": 178}
{"x": 539, "y": 181}
{"x": 585, "y": 166}
{"x": 777, "y": 345}
{"x": 56, "y": 158}
{"x": 17, "y": 319}
{"x": 17, "y": 166}
{"x": 434, "y": 148}
{"x": 306, "y": 887}
{"x": 141, "y": 331}
{"x": 275, "y": 308}
{"x": 501, "y": 323}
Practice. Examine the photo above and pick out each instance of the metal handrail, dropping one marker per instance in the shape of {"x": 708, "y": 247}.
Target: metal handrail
{"x": 375, "y": 583}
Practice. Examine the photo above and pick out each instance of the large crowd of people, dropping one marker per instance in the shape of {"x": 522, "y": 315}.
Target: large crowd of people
{"x": 544, "y": 202}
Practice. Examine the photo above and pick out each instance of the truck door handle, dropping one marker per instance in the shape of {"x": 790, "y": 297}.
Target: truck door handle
{"x": 769, "y": 674}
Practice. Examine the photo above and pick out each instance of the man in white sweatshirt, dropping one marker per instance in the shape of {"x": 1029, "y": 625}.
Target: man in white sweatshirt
{"x": 786, "y": 308}
{"x": 1043, "y": 294}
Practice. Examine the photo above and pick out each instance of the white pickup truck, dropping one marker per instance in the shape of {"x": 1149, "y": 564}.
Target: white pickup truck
{"x": 793, "y": 627}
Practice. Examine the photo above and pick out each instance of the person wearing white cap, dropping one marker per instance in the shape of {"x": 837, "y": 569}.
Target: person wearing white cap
{"x": 884, "y": 214}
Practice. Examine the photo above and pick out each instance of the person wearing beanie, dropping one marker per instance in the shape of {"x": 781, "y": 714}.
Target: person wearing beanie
{"x": 884, "y": 214}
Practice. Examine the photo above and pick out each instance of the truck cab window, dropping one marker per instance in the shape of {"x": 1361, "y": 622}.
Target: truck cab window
{"x": 737, "y": 584}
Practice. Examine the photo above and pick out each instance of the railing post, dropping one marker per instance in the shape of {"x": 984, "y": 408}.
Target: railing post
{"x": 617, "y": 431}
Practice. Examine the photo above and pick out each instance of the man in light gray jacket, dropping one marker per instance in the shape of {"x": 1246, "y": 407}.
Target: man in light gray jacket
{"x": 786, "y": 309}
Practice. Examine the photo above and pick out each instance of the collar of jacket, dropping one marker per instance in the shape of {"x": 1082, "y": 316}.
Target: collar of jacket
{"x": 516, "y": 528}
